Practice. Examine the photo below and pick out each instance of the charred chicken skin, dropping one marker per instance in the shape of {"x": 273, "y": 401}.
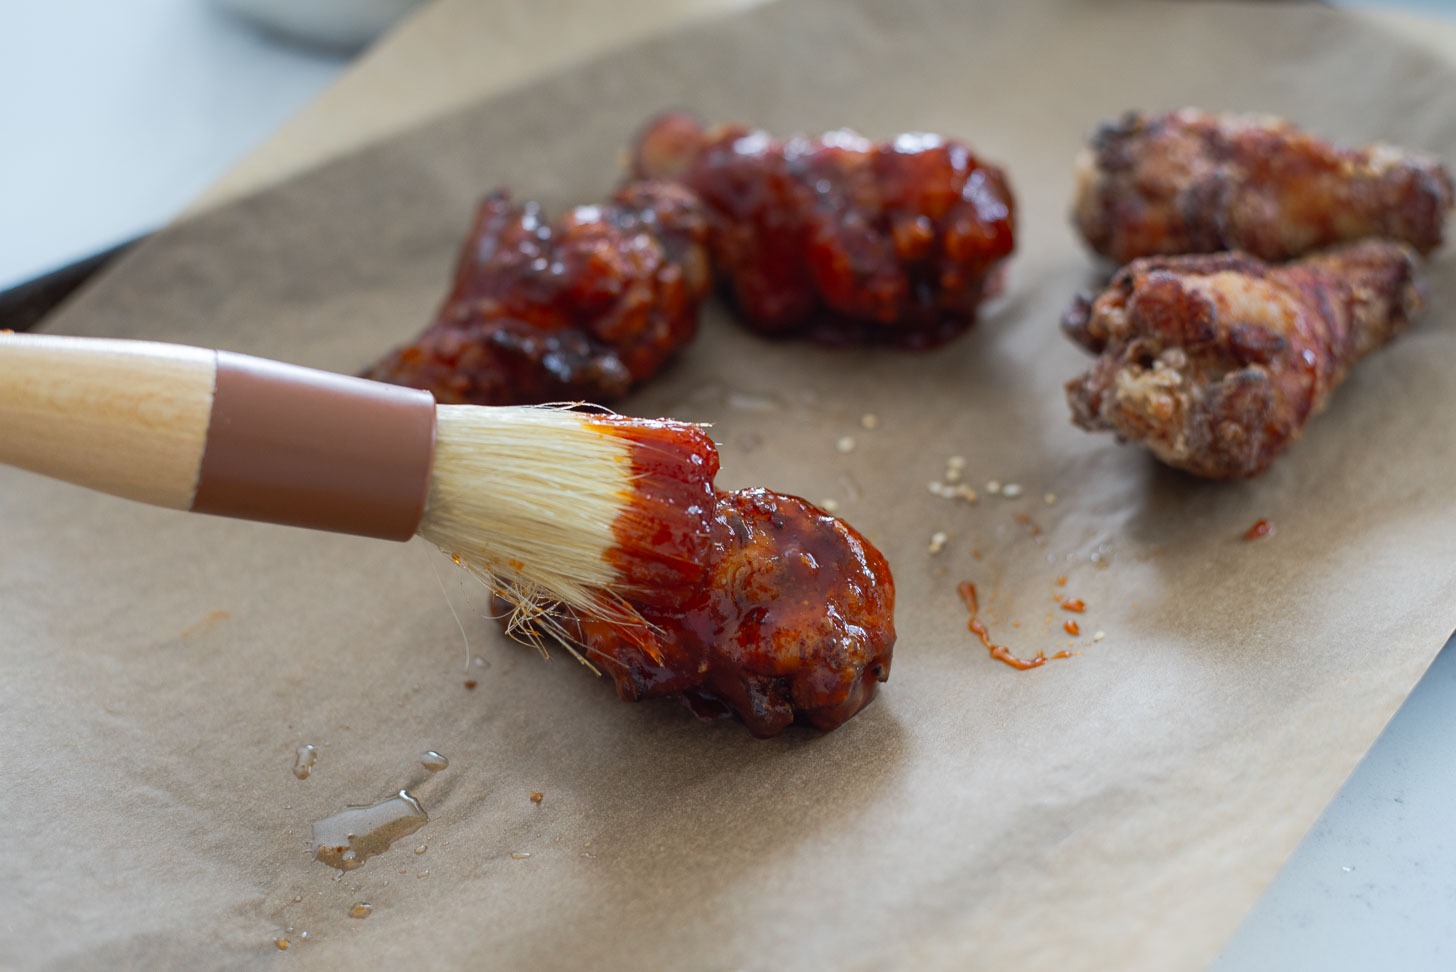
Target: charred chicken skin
{"x": 1216, "y": 362}
{"x": 839, "y": 238}
{"x": 1191, "y": 181}
{"x": 583, "y": 309}
{"x": 792, "y": 623}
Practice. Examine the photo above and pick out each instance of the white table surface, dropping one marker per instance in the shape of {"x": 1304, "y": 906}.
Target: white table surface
{"x": 118, "y": 115}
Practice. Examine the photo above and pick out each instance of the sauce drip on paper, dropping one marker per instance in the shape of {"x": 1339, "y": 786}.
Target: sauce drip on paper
{"x": 1002, "y": 654}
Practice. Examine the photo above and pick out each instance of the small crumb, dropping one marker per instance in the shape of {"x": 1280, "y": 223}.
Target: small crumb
{"x": 1098, "y": 635}
{"x": 845, "y": 443}
{"x": 869, "y": 420}
{"x": 418, "y": 850}
{"x": 952, "y": 474}
{"x": 829, "y": 505}
{"x": 1071, "y": 627}
{"x": 956, "y": 462}
{"x": 937, "y": 541}
{"x": 282, "y": 944}
{"x": 520, "y": 855}
{"x": 993, "y": 487}
{"x": 470, "y": 683}
{"x": 1011, "y": 490}
{"x": 537, "y": 796}
{"x": 1050, "y": 499}
{"x": 1062, "y": 581}
{"x": 362, "y": 909}
{"x": 966, "y": 493}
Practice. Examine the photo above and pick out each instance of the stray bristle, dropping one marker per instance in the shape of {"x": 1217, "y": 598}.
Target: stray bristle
{"x": 551, "y": 506}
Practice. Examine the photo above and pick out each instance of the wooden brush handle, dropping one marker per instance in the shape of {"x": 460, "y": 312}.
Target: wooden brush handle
{"x": 216, "y": 432}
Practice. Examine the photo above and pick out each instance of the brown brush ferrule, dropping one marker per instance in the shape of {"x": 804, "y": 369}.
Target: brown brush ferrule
{"x": 308, "y": 448}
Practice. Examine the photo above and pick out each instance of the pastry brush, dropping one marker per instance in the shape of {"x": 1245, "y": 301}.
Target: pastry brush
{"x": 549, "y": 504}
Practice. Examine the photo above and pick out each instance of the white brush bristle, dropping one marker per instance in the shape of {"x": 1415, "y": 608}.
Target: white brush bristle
{"x": 526, "y": 497}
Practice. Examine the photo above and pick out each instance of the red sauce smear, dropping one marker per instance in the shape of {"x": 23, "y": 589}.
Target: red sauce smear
{"x": 662, "y": 532}
{"x": 1002, "y": 654}
{"x": 1074, "y": 604}
{"x": 1261, "y": 528}
{"x": 1071, "y": 627}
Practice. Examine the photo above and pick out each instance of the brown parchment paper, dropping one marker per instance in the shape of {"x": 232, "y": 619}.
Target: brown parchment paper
{"x": 1119, "y": 809}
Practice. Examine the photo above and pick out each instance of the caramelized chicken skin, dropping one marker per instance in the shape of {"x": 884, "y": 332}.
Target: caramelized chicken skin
{"x": 837, "y": 237}
{"x": 1192, "y": 181}
{"x": 1216, "y": 362}
{"x": 586, "y": 308}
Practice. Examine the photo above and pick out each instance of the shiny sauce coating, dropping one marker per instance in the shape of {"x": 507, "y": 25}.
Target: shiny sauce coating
{"x": 792, "y": 623}
{"x": 837, "y": 237}
{"x": 584, "y": 308}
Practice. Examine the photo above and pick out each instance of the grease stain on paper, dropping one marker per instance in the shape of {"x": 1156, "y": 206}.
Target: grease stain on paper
{"x": 353, "y": 835}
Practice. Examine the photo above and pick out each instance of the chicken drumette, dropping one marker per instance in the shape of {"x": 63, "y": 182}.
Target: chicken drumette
{"x": 1192, "y": 181}
{"x": 583, "y": 309}
{"x": 1216, "y": 362}
{"x": 793, "y": 621}
{"x": 838, "y": 237}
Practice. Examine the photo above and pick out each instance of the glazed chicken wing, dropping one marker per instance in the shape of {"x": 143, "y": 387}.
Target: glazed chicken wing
{"x": 793, "y": 622}
{"x": 840, "y": 238}
{"x": 1195, "y": 182}
{"x": 583, "y": 309}
{"x": 1216, "y": 362}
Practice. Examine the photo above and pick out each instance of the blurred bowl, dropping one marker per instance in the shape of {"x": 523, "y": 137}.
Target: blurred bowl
{"x": 343, "y": 24}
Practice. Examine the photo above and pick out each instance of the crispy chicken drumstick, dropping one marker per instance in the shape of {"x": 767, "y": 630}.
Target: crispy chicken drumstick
{"x": 1195, "y": 182}
{"x": 1216, "y": 362}
{"x": 837, "y": 237}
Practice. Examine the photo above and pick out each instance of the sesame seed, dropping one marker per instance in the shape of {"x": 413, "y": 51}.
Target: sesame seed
{"x": 845, "y": 444}
{"x": 829, "y": 505}
{"x": 1011, "y": 490}
{"x": 1049, "y": 499}
{"x": 1099, "y": 635}
{"x": 966, "y": 493}
{"x": 952, "y": 473}
{"x": 869, "y": 420}
{"x": 993, "y": 487}
{"x": 937, "y": 541}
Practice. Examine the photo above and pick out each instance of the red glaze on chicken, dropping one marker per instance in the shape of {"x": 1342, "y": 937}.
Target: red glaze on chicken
{"x": 793, "y": 623}
{"x": 840, "y": 238}
{"x": 584, "y": 309}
